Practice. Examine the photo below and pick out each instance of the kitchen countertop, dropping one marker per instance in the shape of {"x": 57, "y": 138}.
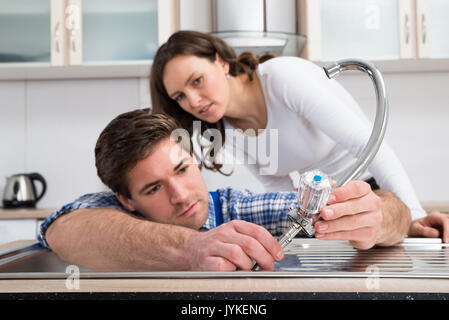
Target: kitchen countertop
{"x": 25, "y": 213}
{"x": 436, "y": 206}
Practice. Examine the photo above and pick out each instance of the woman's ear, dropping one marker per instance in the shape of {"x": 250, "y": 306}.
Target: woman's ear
{"x": 126, "y": 202}
{"x": 224, "y": 64}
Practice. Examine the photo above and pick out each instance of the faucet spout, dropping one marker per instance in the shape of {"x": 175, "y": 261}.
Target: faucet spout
{"x": 380, "y": 122}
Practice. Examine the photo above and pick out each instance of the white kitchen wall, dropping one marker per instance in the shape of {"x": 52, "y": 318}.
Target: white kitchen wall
{"x": 12, "y": 129}
{"x": 418, "y": 128}
{"x": 51, "y": 127}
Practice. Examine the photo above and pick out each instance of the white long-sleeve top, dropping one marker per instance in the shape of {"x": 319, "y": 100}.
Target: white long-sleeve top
{"x": 313, "y": 123}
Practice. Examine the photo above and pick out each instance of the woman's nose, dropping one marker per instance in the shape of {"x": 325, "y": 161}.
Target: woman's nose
{"x": 194, "y": 99}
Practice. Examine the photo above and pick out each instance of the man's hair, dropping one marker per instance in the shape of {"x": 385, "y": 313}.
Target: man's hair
{"x": 126, "y": 140}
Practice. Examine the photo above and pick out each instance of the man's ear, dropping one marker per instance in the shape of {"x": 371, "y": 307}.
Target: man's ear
{"x": 126, "y": 202}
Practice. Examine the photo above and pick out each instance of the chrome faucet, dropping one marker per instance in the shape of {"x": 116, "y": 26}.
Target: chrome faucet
{"x": 380, "y": 123}
{"x": 315, "y": 186}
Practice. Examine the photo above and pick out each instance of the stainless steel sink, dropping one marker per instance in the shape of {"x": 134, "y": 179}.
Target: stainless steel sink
{"x": 414, "y": 258}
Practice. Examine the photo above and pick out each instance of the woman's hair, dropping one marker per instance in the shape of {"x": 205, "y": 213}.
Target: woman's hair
{"x": 201, "y": 45}
{"x": 126, "y": 140}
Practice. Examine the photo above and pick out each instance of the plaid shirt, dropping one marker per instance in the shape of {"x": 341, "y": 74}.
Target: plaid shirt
{"x": 266, "y": 209}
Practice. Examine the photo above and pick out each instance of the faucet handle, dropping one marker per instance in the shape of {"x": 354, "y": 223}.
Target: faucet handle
{"x": 313, "y": 192}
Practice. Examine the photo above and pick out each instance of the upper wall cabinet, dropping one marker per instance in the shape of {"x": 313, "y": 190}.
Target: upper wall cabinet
{"x": 119, "y": 30}
{"x": 369, "y": 29}
{"x": 99, "y": 31}
{"x": 25, "y": 31}
{"x": 375, "y": 29}
{"x": 77, "y": 32}
{"x": 432, "y": 18}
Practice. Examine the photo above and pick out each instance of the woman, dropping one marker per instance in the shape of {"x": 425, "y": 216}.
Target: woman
{"x": 196, "y": 76}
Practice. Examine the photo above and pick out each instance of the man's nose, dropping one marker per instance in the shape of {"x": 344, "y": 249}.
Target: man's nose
{"x": 178, "y": 193}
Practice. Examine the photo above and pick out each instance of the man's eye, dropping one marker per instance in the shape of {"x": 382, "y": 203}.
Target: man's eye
{"x": 153, "y": 190}
{"x": 183, "y": 169}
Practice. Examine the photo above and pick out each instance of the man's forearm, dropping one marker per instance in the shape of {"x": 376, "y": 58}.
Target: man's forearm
{"x": 111, "y": 240}
{"x": 396, "y": 219}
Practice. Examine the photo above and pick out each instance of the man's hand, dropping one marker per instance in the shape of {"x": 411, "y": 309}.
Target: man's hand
{"x": 434, "y": 225}
{"x": 354, "y": 213}
{"x": 232, "y": 245}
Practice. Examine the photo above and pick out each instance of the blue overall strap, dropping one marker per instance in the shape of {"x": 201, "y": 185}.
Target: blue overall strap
{"x": 217, "y": 208}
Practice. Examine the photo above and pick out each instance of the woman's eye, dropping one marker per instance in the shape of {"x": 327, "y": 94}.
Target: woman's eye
{"x": 197, "y": 81}
{"x": 179, "y": 97}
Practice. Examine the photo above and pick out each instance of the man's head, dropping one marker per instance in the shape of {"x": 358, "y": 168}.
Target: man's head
{"x": 149, "y": 172}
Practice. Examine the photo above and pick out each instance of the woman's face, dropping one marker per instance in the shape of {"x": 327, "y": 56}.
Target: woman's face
{"x": 198, "y": 85}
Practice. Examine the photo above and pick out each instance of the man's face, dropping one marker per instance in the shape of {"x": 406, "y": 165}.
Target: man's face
{"x": 167, "y": 187}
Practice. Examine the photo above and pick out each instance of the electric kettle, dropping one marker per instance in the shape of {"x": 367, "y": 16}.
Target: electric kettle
{"x": 20, "y": 190}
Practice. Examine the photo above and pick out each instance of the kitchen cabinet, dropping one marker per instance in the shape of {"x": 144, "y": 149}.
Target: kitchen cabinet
{"x": 432, "y": 28}
{"x": 117, "y": 30}
{"x": 110, "y": 31}
{"x": 368, "y": 29}
{"x": 76, "y": 32}
{"x": 109, "y": 38}
{"x": 25, "y": 31}
{"x": 374, "y": 29}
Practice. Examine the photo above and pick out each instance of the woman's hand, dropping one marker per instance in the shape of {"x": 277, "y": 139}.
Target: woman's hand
{"x": 434, "y": 225}
{"x": 354, "y": 213}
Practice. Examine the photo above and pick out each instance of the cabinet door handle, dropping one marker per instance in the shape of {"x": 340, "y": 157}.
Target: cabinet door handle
{"x": 57, "y": 36}
{"x": 407, "y": 29}
{"x": 423, "y": 28}
{"x": 73, "y": 14}
{"x": 73, "y": 40}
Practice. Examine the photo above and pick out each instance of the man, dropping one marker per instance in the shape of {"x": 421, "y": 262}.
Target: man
{"x": 161, "y": 217}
